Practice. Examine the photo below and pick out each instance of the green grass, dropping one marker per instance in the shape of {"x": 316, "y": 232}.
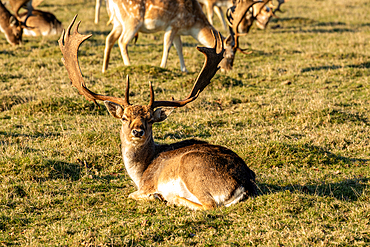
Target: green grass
{"x": 296, "y": 110}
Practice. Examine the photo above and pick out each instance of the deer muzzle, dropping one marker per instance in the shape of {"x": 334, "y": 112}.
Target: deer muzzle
{"x": 137, "y": 133}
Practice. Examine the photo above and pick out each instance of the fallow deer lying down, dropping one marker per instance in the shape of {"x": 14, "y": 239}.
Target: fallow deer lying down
{"x": 10, "y": 26}
{"x": 190, "y": 173}
{"x": 41, "y": 23}
{"x": 175, "y": 17}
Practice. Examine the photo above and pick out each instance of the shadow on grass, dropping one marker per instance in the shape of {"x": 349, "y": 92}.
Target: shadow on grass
{"x": 365, "y": 65}
{"x": 326, "y": 27}
{"x": 345, "y": 190}
{"x": 63, "y": 170}
{"x": 309, "y": 157}
{"x": 37, "y": 135}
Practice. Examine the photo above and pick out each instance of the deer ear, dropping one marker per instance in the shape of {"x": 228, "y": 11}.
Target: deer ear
{"x": 114, "y": 109}
{"x": 230, "y": 41}
{"x": 12, "y": 21}
{"x": 161, "y": 114}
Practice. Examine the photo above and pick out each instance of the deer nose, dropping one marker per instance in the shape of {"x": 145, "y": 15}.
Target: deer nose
{"x": 137, "y": 133}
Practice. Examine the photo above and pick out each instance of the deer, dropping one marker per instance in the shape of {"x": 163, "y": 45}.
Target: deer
{"x": 175, "y": 17}
{"x": 10, "y": 26}
{"x": 261, "y": 12}
{"x": 41, "y": 23}
{"x": 190, "y": 173}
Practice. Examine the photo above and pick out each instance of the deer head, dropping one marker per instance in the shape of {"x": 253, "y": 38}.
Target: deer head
{"x": 263, "y": 13}
{"x": 236, "y": 16}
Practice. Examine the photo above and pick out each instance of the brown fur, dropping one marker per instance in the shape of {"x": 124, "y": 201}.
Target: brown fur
{"x": 176, "y": 18}
{"x": 10, "y": 26}
{"x": 208, "y": 172}
{"x": 41, "y": 23}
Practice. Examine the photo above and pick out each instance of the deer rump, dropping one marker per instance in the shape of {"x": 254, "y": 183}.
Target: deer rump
{"x": 200, "y": 173}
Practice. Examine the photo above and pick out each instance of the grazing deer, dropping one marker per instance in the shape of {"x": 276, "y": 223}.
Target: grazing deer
{"x": 190, "y": 173}
{"x": 175, "y": 17}
{"x": 10, "y": 26}
{"x": 41, "y": 23}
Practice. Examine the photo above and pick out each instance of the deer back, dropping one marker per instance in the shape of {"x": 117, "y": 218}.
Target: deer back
{"x": 41, "y": 23}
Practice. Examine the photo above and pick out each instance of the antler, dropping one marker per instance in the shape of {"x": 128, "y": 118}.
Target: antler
{"x": 235, "y": 15}
{"x": 280, "y": 2}
{"x": 69, "y": 44}
{"x": 210, "y": 67}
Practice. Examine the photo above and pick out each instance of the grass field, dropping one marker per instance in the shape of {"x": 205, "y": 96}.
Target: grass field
{"x": 297, "y": 110}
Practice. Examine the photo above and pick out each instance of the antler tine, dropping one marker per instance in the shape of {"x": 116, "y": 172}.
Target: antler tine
{"x": 151, "y": 95}
{"x": 210, "y": 67}
{"x": 240, "y": 11}
{"x": 235, "y": 16}
{"x": 69, "y": 44}
{"x": 280, "y": 2}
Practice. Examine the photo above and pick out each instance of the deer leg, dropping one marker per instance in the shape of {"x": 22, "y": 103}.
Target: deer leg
{"x": 139, "y": 195}
{"x": 195, "y": 206}
{"x": 220, "y": 15}
{"x": 123, "y": 41}
{"x": 167, "y": 43}
{"x": 97, "y": 11}
{"x": 209, "y": 9}
{"x": 178, "y": 45}
{"x": 109, "y": 43}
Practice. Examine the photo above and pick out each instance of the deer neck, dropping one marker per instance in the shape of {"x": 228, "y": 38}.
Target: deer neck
{"x": 137, "y": 156}
{"x": 4, "y": 18}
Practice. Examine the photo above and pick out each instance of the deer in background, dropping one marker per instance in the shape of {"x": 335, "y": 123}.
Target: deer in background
{"x": 41, "y": 23}
{"x": 190, "y": 173}
{"x": 16, "y": 5}
{"x": 10, "y": 26}
{"x": 175, "y": 17}
{"x": 259, "y": 12}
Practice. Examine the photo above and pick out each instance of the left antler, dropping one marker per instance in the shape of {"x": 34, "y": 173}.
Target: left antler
{"x": 69, "y": 44}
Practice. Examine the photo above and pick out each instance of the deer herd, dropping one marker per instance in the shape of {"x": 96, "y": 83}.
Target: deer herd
{"x": 190, "y": 173}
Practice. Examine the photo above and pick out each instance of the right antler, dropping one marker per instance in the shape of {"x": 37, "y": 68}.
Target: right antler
{"x": 209, "y": 69}
{"x": 69, "y": 44}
